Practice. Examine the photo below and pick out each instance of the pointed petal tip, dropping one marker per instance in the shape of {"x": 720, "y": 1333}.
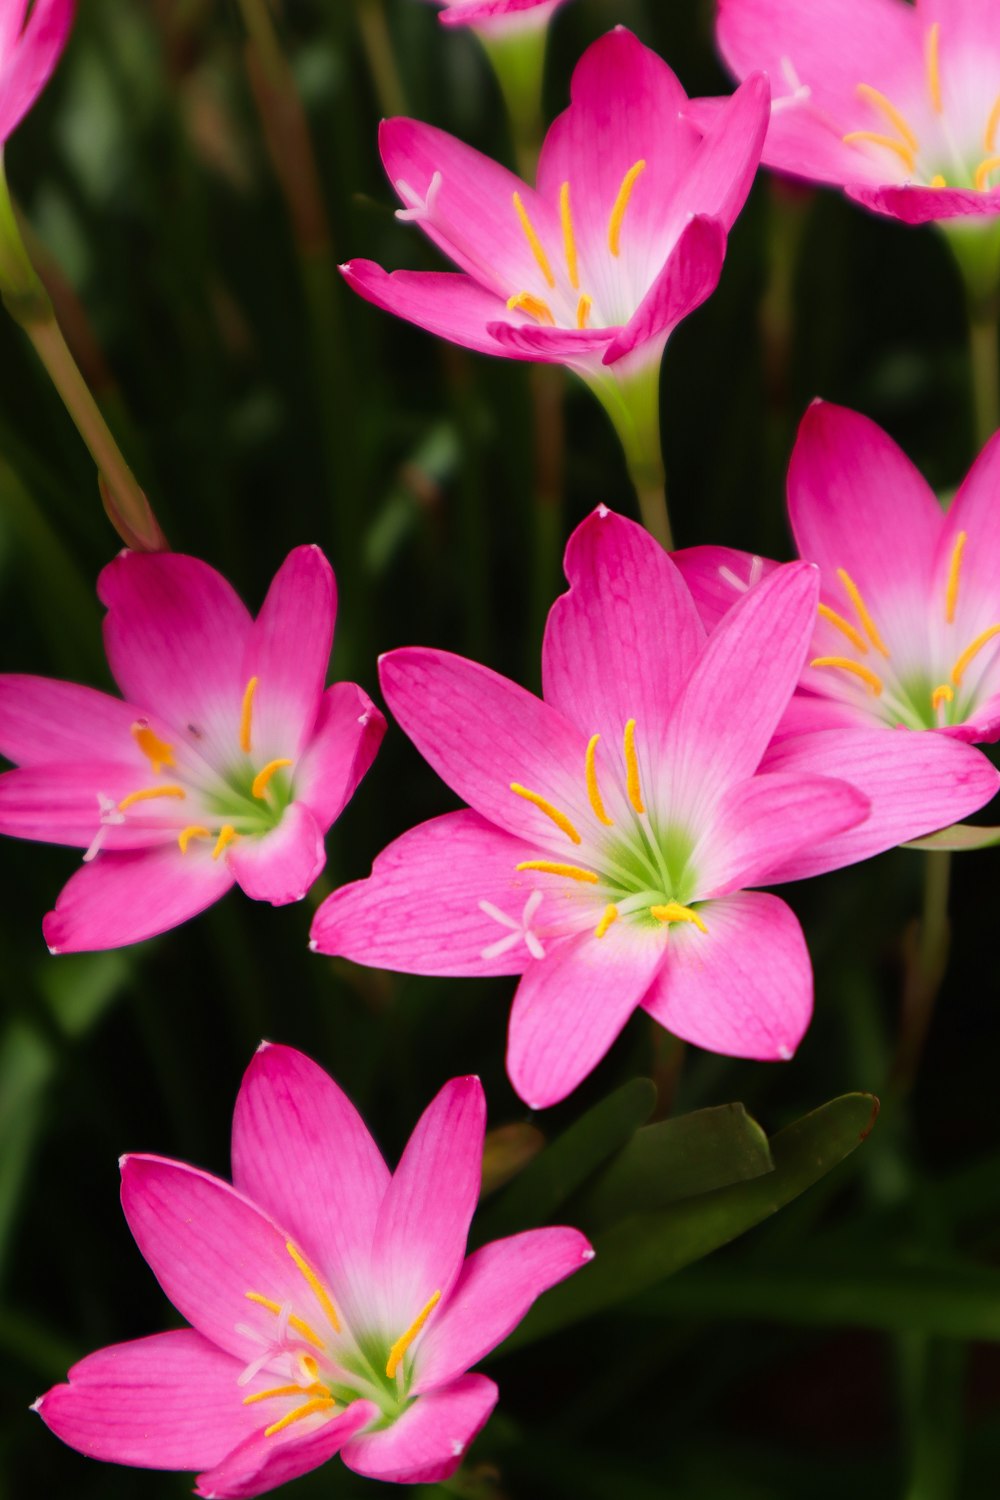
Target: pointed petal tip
{"x": 263, "y": 1046}
{"x": 36, "y": 1405}
{"x": 313, "y": 945}
{"x": 588, "y": 1254}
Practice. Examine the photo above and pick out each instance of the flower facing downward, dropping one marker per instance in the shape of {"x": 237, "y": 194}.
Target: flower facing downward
{"x": 30, "y": 47}
{"x": 331, "y": 1303}
{"x": 226, "y": 762}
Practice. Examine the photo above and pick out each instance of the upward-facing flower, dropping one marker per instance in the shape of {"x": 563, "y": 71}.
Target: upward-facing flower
{"x": 613, "y": 828}
{"x": 331, "y": 1304}
{"x": 227, "y": 761}
{"x": 30, "y": 47}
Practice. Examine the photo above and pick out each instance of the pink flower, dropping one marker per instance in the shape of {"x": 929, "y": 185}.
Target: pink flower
{"x": 226, "y": 762}
{"x": 897, "y": 103}
{"x": 29, "y": 51}
{"x": 499, "y": 17}
{"x": 613, "y": 828}
{"x": 331, "y": 1304}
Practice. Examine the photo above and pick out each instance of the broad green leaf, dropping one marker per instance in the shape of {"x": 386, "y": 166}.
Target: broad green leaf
{"x": 81, "y": 987}
{"x": 960, "y": 837}
{"x": 506, "y": 1152}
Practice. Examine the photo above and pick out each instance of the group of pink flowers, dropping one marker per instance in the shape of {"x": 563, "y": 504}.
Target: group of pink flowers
{"x": 711, "y": 723}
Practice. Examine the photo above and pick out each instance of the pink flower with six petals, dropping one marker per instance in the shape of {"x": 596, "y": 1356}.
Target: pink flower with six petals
{"x": 30, "y": 47}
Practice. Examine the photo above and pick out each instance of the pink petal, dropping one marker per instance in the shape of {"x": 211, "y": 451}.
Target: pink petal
{"x": 263, "y": 1463}
{"x": 125, "y": 898}
{"x": 348, "y": 732}
{"x": 426, "y": 1444}
{"x": 719, "y": 178}
{"x": 498, "y": 1285}
{"x": 575, "y": 347}
{"x": 454, "y": 307}
{"x": 914, "y": 204}
{"x": 289, "y": 653}
{"x": 801, "y": 141}
{"x": 745, "y": 987}
{"x": 916, "y": 782}
{"x": 974, "y": 510}
{"x": 33, "y": 59}
{"x": 690, "y": 275}
{"x": 282, "y": 865}
{"x": 490, "y": 13}
{"x": 11, "y": 25}
{"x": 718, "y": 577}
{"x": 419, "y": 911}
{"x": 809, "y": 712}
{"x": 59, "y": 804}
{"x": 166, "y": 1402}
{"x": 43, "y": 721}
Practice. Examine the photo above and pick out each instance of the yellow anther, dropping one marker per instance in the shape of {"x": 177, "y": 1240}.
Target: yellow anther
{"x": 621, "y": 204}
{"x": 157, "y": 751}
{"x": 867, "y": 623}
{"x": 888, "y": 142}
{"x": 299, "y": 1324}
{"x": 954, "y": 574}
{"x": 938, "y": 181}
{"x": 319, "y": 1290}
{"x": 321, "y": 1403}
{"x": 632, "y": 785}
{"x": 531, "y": 235}
{"x": 593, "y": 790}
{"x": 958, "y": 670}
{"x": 992, "y": 125}
{"x": 609, "y": 918}
{"x": 534, "y": 307}
{"x": 983, "y": 172}
{"x": 854, "y": 636}
{"x": 570, "y": 872}
{"x": 285, "y": 1390}
{"x": 196, "y": 831}
{"x": 942, "y": 694}
{"x": 844, "y": 664}
{"x": 934, "y": 66}
{"x": 895, "y": 116}
{"x": 583, "y": 310}
{"x": 227, "y": 836}
{"x": 401, "y": 1345}
{"x": 559, "y": 818}
{"x": 569, "y": 238}
{"x": 246, "y": 715}
{"x": 674, "y": 912}
{"x": 263, "y": 776}
{"x": 149, "y": 794}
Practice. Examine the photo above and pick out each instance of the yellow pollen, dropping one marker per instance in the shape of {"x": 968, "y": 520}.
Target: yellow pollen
{"x": 157, "y": 751}
{"x": 321, "y": 1403}
{"x": 559, "y": 819}
{"x": 844, "y": 664}
{"x": 149, "y": 794}
{"x": 531, "y": 235}
{"x": 533, "y": 306}
{"x": 621, "y": 204}
{"x": 954, "y": 573}
{"x": 958, "y": 670}
{"x": 934, "y": 66}
{"x": 319, "y": 1290}
{"x": 892, "y": 114}
{"x": 942, "y": 694}
{"x": 992, "y": 124}
{"x": 570, "y": 872}
{"x": 938, "y": 181}
{"x": 227, "y": 836}
{"x": 263, "y": 776}
{"x": 867, "y": 623}
{"x": 194, "y": 832}
{"x": 569, "y": 238}
{"x": 401, "y": 1345}
{"x": 632, "y": 769}
{"x": 285, "y": 1390}
{"x": 246, "y": 715}
{"x": 889, "y": 142}
{"x": 983, "y": 172}
{"x": 593, "y": 790}
{"x": 299, "y": 1324}
{"x": 609, "y": 918}
{"x": 674, "y": 912}
{"x": 583, "y": 310}
{"x": 854, "y": 636}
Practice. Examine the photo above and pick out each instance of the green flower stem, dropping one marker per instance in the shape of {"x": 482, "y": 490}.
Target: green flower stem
{"x": 985, "y": 374}
{"x": 925, "y": 969}
{"x": 377, "y": 43}
{"x": 548, "y": 393}
{"x": 519, "y": 64}
{"x": 633, "y": 404}
{"x": 977, "y": 251}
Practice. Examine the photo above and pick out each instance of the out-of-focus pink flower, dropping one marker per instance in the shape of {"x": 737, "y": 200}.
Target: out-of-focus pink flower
{"x": 227, "y": 761}
{"x": 30, "y": 46}
{"x": 331, "y": 1303}
{"x": 499, "y": 17}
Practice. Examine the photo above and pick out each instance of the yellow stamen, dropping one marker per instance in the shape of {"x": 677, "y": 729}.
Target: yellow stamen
{"x": 632, "y": 769}
{"x": 246, "y": 715}
{"x": 227, "y": 836}
{"x": 938, "y": 181}
{"x": 321, "y": 1403}
{"x": 263, "y": 776}
{"x": 559, "y": 818}
{"x": 401, "y": 1345}
{"x": 308, "y": 1333}
{"x": 855, "y": 637}
{"x": 285, "y": 1390}
{"x": 149, "y": 794}
{"x": 674, "y": 912}
{"x": 593, "y": 790}
{"x": 533, "y": 306}
{"x": 958, "y": 670}
{"x": 583, "y": 311}
{"x": 889, "y": 142}
{"x": 194, "y": 832}
{"x": 983, "y": 172}
{"x": 569, "y": 238}
{"x": 942, "y": 694}
{"x": 531, "y": 235}
{"x": 319, "y": 1290}
{"x": 621, "y": 204}
{"x": 571, "y": 872}
{"x": 992, "y": 124}
{"x": 934, "y": 66}
{"x": 893, "y": 115}
{"x": 844, "y": 664}
{"x": 867, "y": 623}
{"x": 158, "y": 752}
{"x": 954, "y": 573}
{"x": 610, "y": 916}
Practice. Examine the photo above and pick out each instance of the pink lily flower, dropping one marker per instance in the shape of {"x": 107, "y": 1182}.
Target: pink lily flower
{"x": 225, "y": 763}
{"x": 30, "y": 47}
{"x": 613, "y": 828}
{"x": 331, "y": 1303}
{"x": 899, "y": 104}
{"x": 499, "y": 17}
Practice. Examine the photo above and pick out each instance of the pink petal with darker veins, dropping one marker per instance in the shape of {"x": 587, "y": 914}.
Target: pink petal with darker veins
{"x": 27, "y": 63}
{"x": 688, "y": 278}
{"x": 447, "y": 303}
{"x": 347, "y": 735}
{"x": 43, "y": 721}
{"x": 427, "y": 1443}
{"x": 288, "y": 651}
{"x": 263, "y": 1463}
{"x": 280, "y": 866}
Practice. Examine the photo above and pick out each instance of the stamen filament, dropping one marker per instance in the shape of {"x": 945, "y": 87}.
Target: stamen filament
{"x": 308, "y": 1333}
{"x": 531, "y": 235}
{"x": 319, "y": 1290}
{"x": 196, "y": 831}
{"x": 621, "y": 204}
{"x": 157, "y": 751}
{"x": 992, "y": 124}
{"x": 321, "y": 1403}
{"x": 608, "y": 919}
{"x": 569, "y": 238}
{"x": 674, "y": 912}
{"x": 593, "y": 790}
{"x": 895, "y": 116}
{"x": 934, "y": 66}
{"x": 246, "y": 715}
{"x": 534, "y": 307}
{"x": 149, "y": 794}
{"x": 285, "y": 1390}
{"x": 227, "y": 836}
{"x": 401, "y": 1345}
{"x": 583, "y": 308}
{"x": 571, "y": 872}
{"x": 943, "y": 694}
{"x": 867, "y": 623}
{"x": 855, "y": 637}
{"x": 889, "y": 142}
{"x": 844, "y": 664}
{"x": 954, "y": 573}
{"x": 559, "y": 818}
{"x": 632, "y": 784}
{"x": 983, "y": 172}
{"x": 263, "y": 776}
{"x": 958, "y": 670}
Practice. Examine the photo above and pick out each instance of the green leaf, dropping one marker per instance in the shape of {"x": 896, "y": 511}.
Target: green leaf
{"x": 960, "y": 837}
{"x": 506, "y": 1152}
{"x": 82, "y": 986}
{"x": 26, "y": 1067}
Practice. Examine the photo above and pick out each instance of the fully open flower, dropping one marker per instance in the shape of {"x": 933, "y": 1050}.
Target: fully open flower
{"x": 895, "y": 102}
{"x": 226, "y": 762}
{"x": 30, "y": 47}
{"x": 614, "y": 827}
{"x": 331, "y": 1304}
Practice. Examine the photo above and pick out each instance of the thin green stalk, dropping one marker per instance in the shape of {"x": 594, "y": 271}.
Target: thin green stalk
{"x": 519, "y": 65}
{"x": 548, "y": 394}
{"x": 377, "y": 43}
{"x": 985, "y": 372}
{"x": 633, "y": 404}
{"x": 977, "y": 252}
{"x": 925, "y": 969}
